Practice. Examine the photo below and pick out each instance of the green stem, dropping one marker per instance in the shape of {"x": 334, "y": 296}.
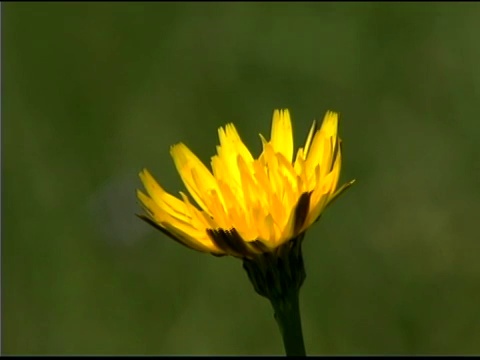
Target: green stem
{"x": 287, "y": 315}
{"x": 278, "y": 276}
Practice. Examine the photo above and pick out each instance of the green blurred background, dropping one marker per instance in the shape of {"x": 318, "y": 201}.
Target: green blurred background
{"x": 94, "y": 92}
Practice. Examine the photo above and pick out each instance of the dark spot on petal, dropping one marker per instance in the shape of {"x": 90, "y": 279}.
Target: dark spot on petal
{"x": 259, "y": 246}
{"x": 229, "y": 241}
{"x": 301, "y": 211}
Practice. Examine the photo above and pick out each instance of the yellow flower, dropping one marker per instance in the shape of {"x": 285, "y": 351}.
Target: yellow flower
{"x": 246, "y": 205}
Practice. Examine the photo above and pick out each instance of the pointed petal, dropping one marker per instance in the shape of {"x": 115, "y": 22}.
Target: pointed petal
{"x": 189, "y": 233}
{"x": 330, "y": 124}
{"x": 231, "y": 146}
{"x": 151, "y": 207}
{"x": 188, "y": 163}
{"x": 340, "y": 191}
{"x": 169, "y": 203}
{"x": 308, "y": 142}
{"x": 323, "y": 144}
{"x": 197, "y": 240}
{"x": 281, "y": 134}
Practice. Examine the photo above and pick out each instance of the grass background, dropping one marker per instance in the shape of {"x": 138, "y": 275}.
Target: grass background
{"x": 94, "y": 92}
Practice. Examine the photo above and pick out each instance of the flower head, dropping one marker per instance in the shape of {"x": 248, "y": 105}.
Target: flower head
{"x": 247, "y": 206}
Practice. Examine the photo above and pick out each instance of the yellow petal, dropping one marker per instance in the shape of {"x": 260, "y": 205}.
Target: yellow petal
{"x": 195, "y": 239}
{"x": 151, "y": 207}
{"x": 312, "y": 131}
{"x": 337, "y": 165}
{"x": 199, "y": 220}
{"x": 231, "y": 146}
{"x": 188, "y": 164}
{"x": 288, "y": 172}
{"x": 169, "y": 203}
{"x": 185, "y": 232}
{"x": 330, "y": 124}
{"x": 281, "y": 134}
{"x": 267, "y": 231}
{"x": 237, "y": 144}
{"x": 321, "y": 194}
{"x": 323, "y": 144}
